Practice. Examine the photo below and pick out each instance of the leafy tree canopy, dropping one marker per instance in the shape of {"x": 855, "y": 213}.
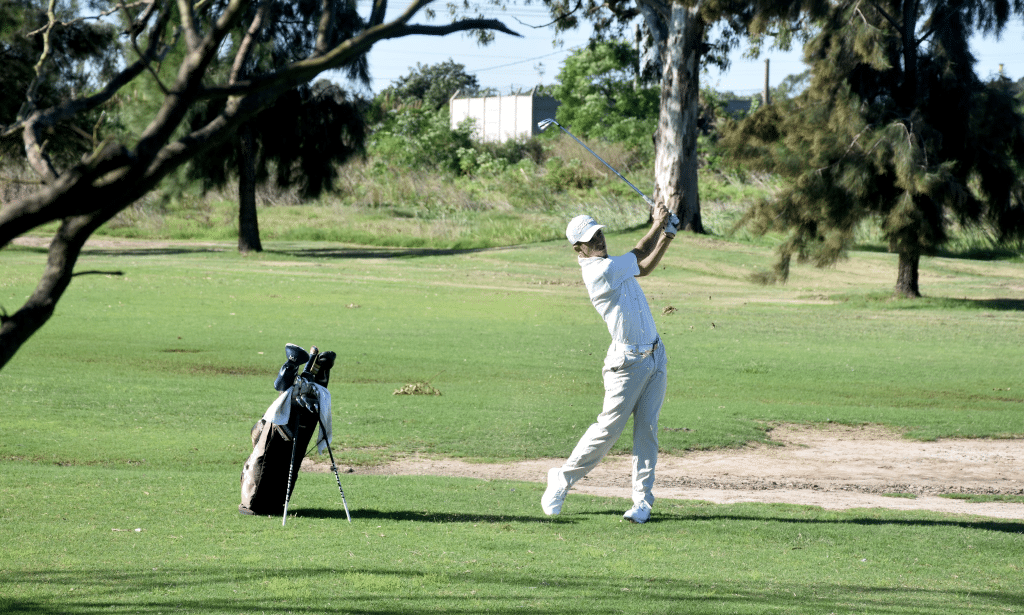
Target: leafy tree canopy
{"x": 419, "y": 138}
{"x": 596, "y": 89}
{"x": 323, "y": 128}
{"x": 432, "y": 85}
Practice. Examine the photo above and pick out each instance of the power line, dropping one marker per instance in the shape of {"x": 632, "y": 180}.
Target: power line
{"x": 527, "y": 60}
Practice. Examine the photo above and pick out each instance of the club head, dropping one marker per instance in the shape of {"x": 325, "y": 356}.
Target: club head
{"x": 543, "y": 124}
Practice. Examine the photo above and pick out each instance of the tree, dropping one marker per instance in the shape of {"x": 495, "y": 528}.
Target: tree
{"x": 115, "y": 173}
{"x": 433, "y": 84}
{"x": 598, "y": 94}
{"x": 680, "y": 32}
{"x": 302, "y": 137}
{"x": 286, "y": 36}
{"x": 894, "y": 126}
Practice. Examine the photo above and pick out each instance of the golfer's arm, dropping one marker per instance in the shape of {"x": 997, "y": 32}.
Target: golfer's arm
{"x": 649, "y": 257}
{"x": 651, "y": 248}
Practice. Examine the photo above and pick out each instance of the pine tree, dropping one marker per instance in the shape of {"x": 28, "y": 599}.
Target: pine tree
{"x": 306, "y": 131}
{"x": 895, "y": 126}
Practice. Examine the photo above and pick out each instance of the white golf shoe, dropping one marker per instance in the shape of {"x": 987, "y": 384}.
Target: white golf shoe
{"x": 554, "y": 495}
{"x": 640, "y": 512}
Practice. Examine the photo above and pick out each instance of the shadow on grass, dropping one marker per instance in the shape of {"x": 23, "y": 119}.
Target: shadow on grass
{"x": 886, "y": 300}
{"x": 433, "y": 517}
{"x": 999, "y": 305}
{"x": 383, "y": 252}
{"x": 1007, "y": 527}
{"x": 390, "y": 588}
{"x": 1004, "y": 305}
{"x": 338, "y": 252}
{"x": 155, "y": 251}
{"x": 995, "y": 253}
{"x": 658, "y": 517}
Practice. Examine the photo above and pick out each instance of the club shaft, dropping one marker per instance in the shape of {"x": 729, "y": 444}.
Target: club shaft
{"x": 291, "y": 465}
{"x": 584, "y": 145}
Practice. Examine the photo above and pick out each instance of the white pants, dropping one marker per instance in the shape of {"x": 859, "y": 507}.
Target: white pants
{"x": 634, "y": 385}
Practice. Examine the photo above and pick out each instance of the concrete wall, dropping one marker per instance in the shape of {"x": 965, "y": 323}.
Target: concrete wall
{"x": 500, "y": 118}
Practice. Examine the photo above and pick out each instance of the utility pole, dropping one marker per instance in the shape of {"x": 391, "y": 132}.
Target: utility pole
{"x": 766, "y": 95}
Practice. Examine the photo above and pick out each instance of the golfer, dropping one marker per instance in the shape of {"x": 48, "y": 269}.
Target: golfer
{"x": 634, "y": 371}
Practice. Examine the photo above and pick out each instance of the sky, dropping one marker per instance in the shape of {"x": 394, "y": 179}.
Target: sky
{"x": 511, "y": 64}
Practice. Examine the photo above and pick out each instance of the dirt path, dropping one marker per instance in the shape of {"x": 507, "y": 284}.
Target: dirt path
{"x": 835, "y": 468}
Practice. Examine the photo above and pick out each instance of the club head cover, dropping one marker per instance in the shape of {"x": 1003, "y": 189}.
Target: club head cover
{"x": 297, "y": 357}
{"x": 326, "y": 362}
{"x": 295, "y": 354}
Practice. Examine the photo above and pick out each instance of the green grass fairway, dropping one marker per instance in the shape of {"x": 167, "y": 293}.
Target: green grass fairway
{"x": 125, "y": 540}
{"x": 126, "y": 421}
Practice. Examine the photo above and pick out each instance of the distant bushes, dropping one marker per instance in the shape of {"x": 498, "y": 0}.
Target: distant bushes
{"x": 419, "y": 138}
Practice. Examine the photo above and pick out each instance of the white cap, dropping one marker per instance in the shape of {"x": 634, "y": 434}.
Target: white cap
{"x": 581, "y": 228}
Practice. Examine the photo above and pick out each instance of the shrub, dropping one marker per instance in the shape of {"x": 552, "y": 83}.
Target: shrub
{"x": 420, "y": 138}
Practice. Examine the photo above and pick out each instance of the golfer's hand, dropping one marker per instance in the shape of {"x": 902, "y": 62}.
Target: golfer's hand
{"x": 670, "y": 225}
{"x": 660, "y": 216}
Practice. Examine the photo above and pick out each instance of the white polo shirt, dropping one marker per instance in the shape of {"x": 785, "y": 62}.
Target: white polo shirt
{"x": 618, "y": 298}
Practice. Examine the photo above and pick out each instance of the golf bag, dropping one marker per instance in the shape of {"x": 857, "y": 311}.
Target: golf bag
{"x": 281, "y": 437}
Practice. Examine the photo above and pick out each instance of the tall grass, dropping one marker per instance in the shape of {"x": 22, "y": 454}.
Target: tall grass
{"x": 381, "y": 204}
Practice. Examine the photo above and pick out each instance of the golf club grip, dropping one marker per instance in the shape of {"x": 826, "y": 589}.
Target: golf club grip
{"x": 311, "y": 365}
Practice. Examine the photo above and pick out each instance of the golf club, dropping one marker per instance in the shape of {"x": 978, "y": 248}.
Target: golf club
{"x": 307, "y": 373}
{"x": 543, "y": 125}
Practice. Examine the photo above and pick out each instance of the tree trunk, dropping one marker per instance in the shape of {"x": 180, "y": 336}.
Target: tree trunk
{"x": 651, "y": 60}
{"x": 906, "y": 280}
{"x": 908, "y": 34}
{"x": 675, "y": 162}
{"x": 248, "y": 225}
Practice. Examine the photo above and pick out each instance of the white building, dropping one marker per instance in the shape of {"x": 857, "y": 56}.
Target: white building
{"x": 500, "y": 118}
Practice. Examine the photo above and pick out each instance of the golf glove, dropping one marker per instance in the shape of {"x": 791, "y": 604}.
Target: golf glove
{"x": 673, "y": 225}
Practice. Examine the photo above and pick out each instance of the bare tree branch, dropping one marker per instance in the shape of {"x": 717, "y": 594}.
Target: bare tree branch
{"x": 47, "y": 30}
{"x": 247, "y": 43}
{"x": 323, "y": 27}
{"x": 302, "y": 71}
{"x": 377, "y": 16}
{"x": 138, "y": 23}
{"x": 892, "y": 20}
{"x": 67, "y": 244}
{"x": 97, "y": 17}
{"x": 188, "y": 24}
{"x": 35, "y": 151}
{"x": 75, "y": 106}
{"x": 557, "y": 18}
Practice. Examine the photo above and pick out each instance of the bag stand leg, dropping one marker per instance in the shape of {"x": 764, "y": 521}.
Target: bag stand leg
{"x": 335, "y": 468}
